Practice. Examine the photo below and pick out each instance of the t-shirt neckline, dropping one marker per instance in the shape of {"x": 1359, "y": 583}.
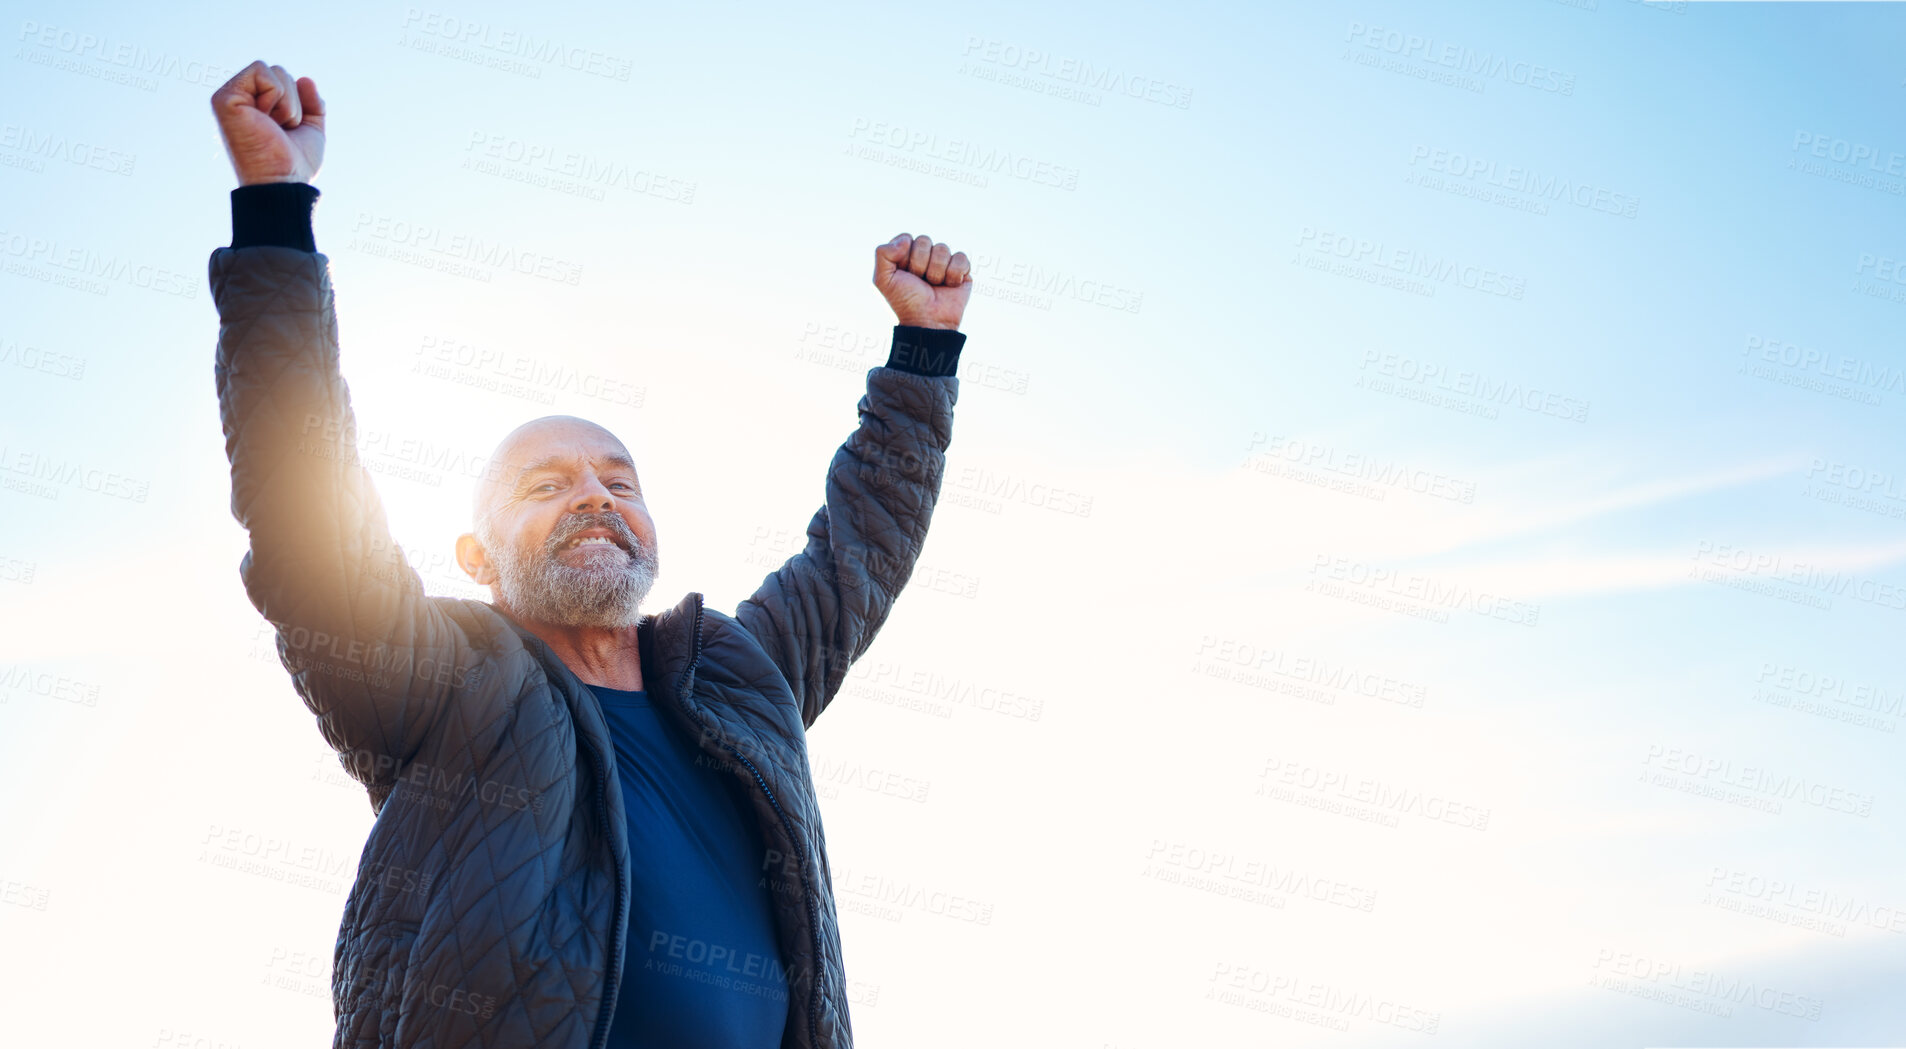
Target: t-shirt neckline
{"x": 626, "y": 697}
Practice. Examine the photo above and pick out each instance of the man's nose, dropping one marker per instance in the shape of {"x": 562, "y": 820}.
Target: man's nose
{"x": 591, "y": 495}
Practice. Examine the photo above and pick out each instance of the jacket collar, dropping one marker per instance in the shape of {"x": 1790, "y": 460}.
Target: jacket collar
{"x": 667, "y": 641}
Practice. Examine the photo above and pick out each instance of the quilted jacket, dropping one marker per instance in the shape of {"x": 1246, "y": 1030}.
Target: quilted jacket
{"x": 490, "y": 900}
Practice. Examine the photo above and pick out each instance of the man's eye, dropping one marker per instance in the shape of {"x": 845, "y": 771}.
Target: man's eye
{"x": 546, "y": 484}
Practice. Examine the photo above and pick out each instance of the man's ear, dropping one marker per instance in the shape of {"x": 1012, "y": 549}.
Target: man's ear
{"x": 474, "y": 560}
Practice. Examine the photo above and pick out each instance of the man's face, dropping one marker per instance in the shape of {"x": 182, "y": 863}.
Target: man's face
{"x": 566, "y": 538}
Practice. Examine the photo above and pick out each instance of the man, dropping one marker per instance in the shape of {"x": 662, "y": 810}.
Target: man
{"x": 595, "y": 828}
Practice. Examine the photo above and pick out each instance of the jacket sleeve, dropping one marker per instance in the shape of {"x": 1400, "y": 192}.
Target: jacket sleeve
{"x": 819, "y": 612}
{"x": 374, "y": 658}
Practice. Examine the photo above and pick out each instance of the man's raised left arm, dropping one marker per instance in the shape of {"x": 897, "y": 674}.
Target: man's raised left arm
{"x": 819, "y": 612}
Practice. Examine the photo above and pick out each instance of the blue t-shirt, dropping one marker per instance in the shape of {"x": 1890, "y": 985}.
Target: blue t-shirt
{"x": 702, "y": 969}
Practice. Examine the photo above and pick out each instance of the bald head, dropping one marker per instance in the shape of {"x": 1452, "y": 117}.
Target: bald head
{"x": 539, "y": 443}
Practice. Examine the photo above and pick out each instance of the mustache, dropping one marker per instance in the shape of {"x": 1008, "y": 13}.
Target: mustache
{"x": 574, "y": 524}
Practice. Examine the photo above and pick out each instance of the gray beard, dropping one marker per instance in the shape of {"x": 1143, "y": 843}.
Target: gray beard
{"x": 596, "y": 594}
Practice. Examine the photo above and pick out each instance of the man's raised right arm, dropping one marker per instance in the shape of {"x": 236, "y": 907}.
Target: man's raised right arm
{"x": 373, "y": 656}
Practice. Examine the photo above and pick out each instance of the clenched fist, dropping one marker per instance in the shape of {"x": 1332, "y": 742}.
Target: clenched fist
{"x": 926, "y": 284}
{"x": 273, "y": 126}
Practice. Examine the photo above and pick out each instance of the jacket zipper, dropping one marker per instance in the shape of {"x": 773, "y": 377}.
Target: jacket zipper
{"x": 807, "y": 893}
{"x": 813, "y": 910}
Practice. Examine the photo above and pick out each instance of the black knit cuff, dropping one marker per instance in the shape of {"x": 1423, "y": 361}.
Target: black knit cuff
{"x": 925, "y": 351}
{"x": 274, "y": 213}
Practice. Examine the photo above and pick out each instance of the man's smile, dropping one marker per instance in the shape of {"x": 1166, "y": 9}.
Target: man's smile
{"x": 597, "y": 538}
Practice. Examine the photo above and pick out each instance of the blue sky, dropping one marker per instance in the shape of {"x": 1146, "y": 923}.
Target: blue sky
{"x": 1439, "y": 457}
